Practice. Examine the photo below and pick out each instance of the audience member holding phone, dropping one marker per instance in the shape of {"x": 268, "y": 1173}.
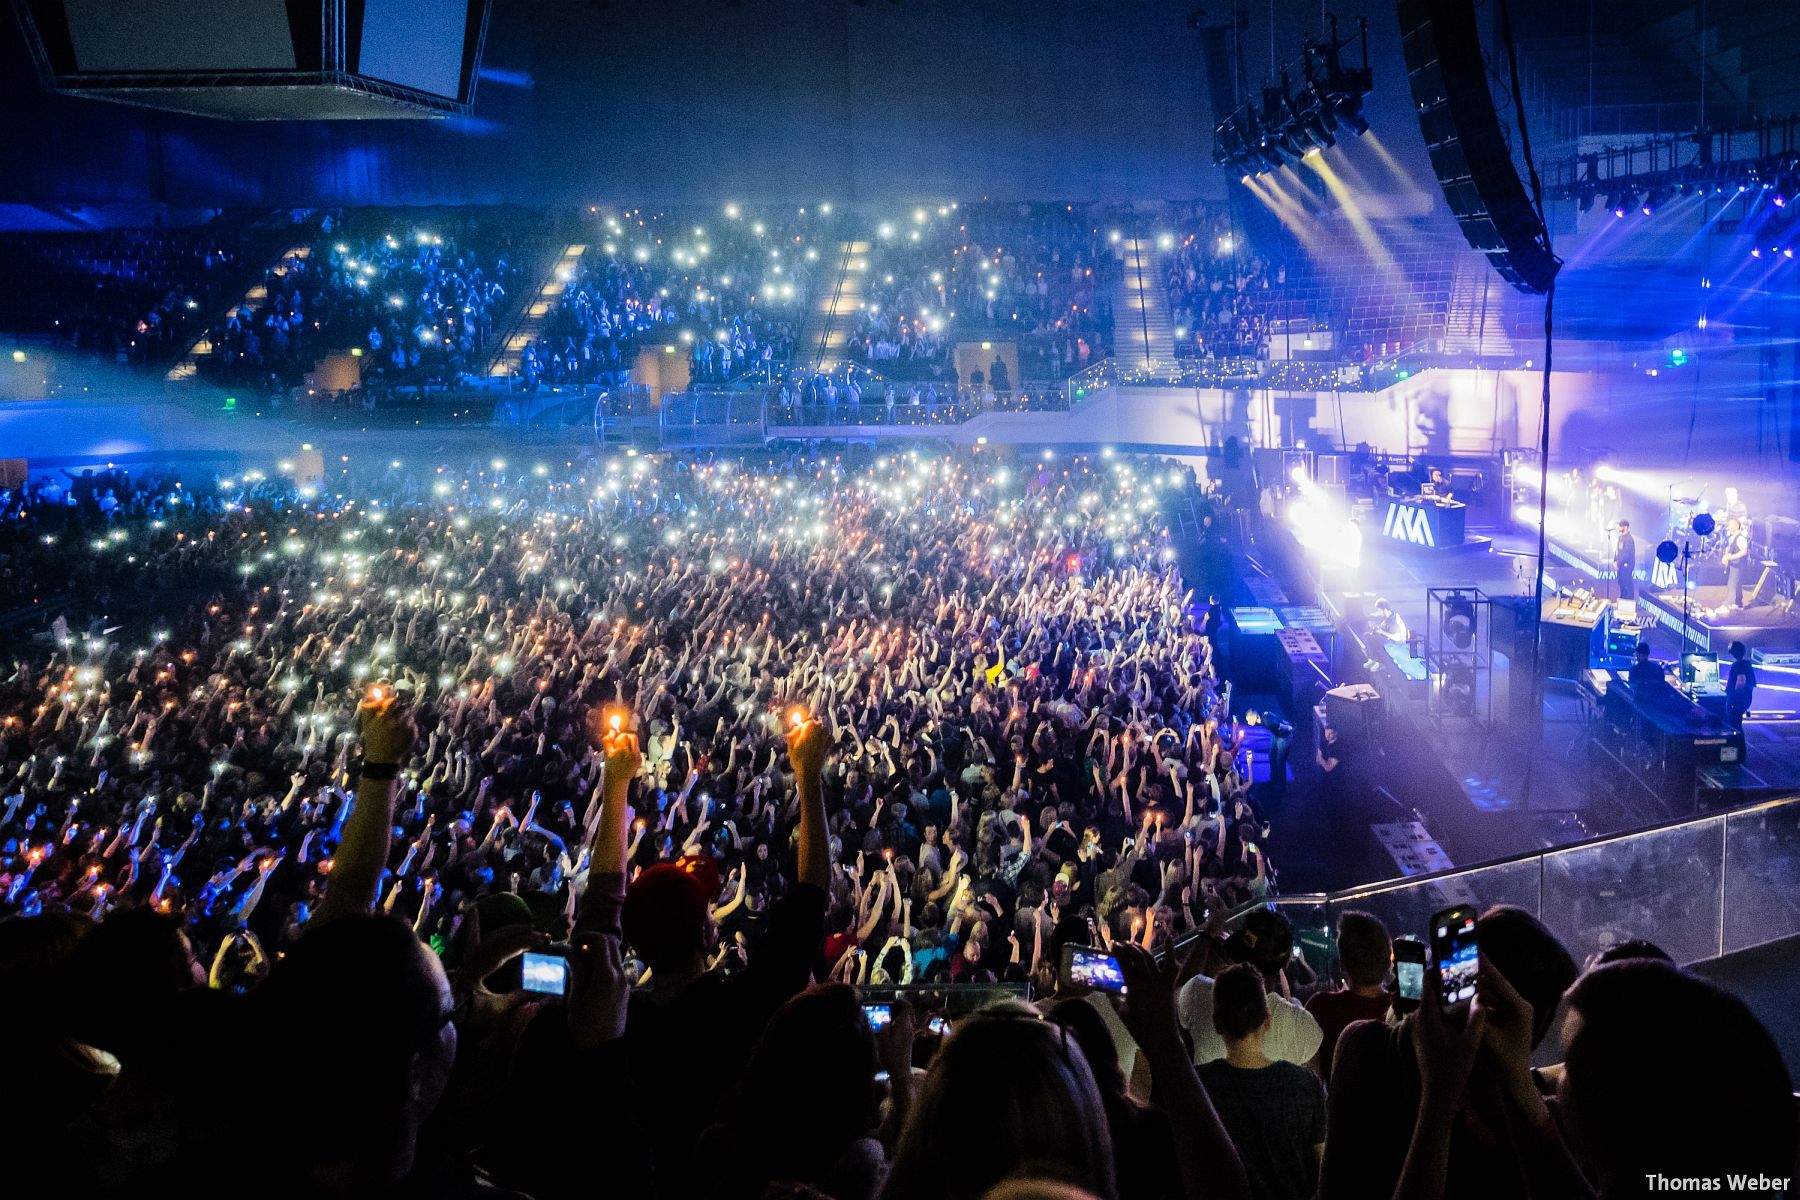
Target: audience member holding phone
{"x": 1266, "y": 941}
{"x": 1377, "y": 1081}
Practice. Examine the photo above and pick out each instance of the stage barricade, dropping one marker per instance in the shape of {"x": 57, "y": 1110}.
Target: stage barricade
{"x": 1700, "y": 888}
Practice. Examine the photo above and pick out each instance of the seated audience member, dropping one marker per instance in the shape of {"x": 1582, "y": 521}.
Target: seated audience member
{"x": 1274, "y": 1111}
{"x": 1365, "y": 954}
{"x": 1267, "y": 942}
{"x": 1376, "y": 1083}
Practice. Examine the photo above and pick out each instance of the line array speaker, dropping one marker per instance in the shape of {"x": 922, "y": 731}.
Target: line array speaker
{"x": 1473, "y": 165}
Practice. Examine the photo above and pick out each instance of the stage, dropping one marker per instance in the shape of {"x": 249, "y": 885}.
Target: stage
{"x": 1767, "y": 626}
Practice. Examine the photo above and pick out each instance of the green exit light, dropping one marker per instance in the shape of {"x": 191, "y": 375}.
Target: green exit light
{"x": 1678, "y": 358}
{"x": 231, "y": 404}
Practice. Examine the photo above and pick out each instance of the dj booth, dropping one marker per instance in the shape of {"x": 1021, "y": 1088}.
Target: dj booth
{"x": 1424, "y": 521}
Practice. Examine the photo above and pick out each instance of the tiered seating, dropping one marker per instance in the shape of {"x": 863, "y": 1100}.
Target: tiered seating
{"x": 416, "y": 296}
{"x": 128, "y": 295}
{"x": 1375, "y": 304}
{"x": 728, "y": 292}
{"x": 1040, "y": 275}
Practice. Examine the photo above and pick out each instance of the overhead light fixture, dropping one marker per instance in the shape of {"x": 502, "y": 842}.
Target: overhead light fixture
{"x": 1266, "y": 132}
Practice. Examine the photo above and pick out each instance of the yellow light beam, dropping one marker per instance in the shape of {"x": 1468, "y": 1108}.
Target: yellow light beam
{"x": 1387, "y": 159}
{"x": 1268, "y": 190}
{"x": 1365, "y": 233}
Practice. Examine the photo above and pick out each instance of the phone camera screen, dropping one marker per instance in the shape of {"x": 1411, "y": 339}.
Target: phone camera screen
{"x": 545, "y": 973}
{"x": 1458, "y": 960}
{"x": 1411, "y": 978}
{"x": 1089, "y": 968}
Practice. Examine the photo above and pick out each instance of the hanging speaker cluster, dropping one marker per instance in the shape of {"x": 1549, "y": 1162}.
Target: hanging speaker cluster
{"x": 1473, "y": 164}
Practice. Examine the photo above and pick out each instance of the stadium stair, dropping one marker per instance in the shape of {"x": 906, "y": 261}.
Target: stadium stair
{"x": 187, "y": 368}
{"x": 534, "y": 312}
{"x": 1475, "y": 323}
{"x": 1142, "y": 331}
{"x": 832, "y": 318}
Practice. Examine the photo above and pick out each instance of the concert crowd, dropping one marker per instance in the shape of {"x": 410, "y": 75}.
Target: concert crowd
{"x": 634, "y": 823}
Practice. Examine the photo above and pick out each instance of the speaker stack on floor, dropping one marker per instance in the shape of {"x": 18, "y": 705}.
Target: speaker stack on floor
{"x": 1474, "y": 168}
{"x": 1355, "y": 711}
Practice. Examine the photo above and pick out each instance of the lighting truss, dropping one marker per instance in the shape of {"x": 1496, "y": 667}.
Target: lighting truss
{"x": 1289, "y": 122}
{"x": 1760, "y": 160}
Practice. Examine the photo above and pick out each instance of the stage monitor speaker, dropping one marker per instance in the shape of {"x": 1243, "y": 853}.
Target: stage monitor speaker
{"x": 263, "y": 60}
{"x": 1469, "y": 155}
{"x": 1353, "y": 709}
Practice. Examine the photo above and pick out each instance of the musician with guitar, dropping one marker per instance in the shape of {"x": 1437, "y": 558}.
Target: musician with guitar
{"x": 1737, "y": 549}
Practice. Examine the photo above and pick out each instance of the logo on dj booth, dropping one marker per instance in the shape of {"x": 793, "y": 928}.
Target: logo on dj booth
{"x": 1408, "y": 524}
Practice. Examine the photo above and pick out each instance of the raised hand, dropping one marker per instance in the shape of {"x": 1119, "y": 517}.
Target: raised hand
{"x": 387, "y": 728}
{"x": 807, "y": 747}
{"x": 1445, "y": 1047}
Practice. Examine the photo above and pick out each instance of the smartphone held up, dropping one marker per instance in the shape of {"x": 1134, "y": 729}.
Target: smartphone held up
{"x": 1085, "y": 966}
{"x": 1409, "y": 975}
{"x": 1455, "y": 954}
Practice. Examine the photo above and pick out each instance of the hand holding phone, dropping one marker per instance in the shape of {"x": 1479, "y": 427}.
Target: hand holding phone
{"x": 880, "y": 1015}
{"x": 1409, "y": 974}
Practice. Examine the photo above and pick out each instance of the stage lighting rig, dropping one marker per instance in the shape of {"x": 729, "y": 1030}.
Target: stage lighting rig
{"x": 1284, "y": 125}
{"x": 1589, "y": 187}
{"x": 1757, "y": 162}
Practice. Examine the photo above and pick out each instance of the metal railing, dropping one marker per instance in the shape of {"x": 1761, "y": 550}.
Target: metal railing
{"x": 1250, "y": 373}
{"x": 712, "y": 418}
{"x": 952, "y": 410}
{"x": 1700, "y": 888}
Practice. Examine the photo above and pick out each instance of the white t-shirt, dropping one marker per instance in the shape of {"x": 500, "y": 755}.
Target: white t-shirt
{"x": 1294, "y": 1035}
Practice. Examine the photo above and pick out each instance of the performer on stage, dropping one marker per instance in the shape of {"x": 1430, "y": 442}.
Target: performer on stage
{"x": 1625, "y": 561}
{"x": 1737, "y": 549}
{"x": 1385, "y": 623}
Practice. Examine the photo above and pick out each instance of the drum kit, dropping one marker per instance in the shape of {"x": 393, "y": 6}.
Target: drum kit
{"x": 1699, "y": 536}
